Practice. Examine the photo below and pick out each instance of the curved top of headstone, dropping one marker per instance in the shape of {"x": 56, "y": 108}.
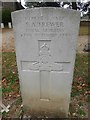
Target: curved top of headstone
{"x": 47, "y": 8}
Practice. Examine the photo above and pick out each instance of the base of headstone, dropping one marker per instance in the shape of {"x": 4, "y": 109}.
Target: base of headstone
{"x": 43, "y": 114}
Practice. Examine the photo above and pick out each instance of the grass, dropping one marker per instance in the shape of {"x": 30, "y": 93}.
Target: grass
{"x": 10, "y": 80}
{"x": 80, "y": 84}
{"x": 9, "y": 74}
{"x": 81, "y": 112}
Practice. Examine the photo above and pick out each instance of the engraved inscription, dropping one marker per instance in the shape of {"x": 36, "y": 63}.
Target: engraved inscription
{"x": 44, "y": 24}
{"x": 43, "y": 17}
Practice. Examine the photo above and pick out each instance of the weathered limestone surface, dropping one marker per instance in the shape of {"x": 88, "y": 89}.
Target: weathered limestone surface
{"x": 45, "y": 41}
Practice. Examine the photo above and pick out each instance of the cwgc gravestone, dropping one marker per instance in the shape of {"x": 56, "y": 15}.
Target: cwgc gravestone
{"x": 9, "y": 25}
{"x": 45, "y": 41}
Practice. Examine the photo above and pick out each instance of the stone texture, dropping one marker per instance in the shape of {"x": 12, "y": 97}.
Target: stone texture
{"x": 45, "y": 41}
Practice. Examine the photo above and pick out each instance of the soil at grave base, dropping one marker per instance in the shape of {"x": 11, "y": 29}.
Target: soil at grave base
{"x": 8, "y": 41}
{"x": 17, "y": 111}
{"x": 43, "y": 114}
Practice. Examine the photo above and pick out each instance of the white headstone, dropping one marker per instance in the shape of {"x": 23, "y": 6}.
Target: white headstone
{"x": 9, "y": 25}
{"x": 45, "y": 40}
{"x": 2, "y": 25}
